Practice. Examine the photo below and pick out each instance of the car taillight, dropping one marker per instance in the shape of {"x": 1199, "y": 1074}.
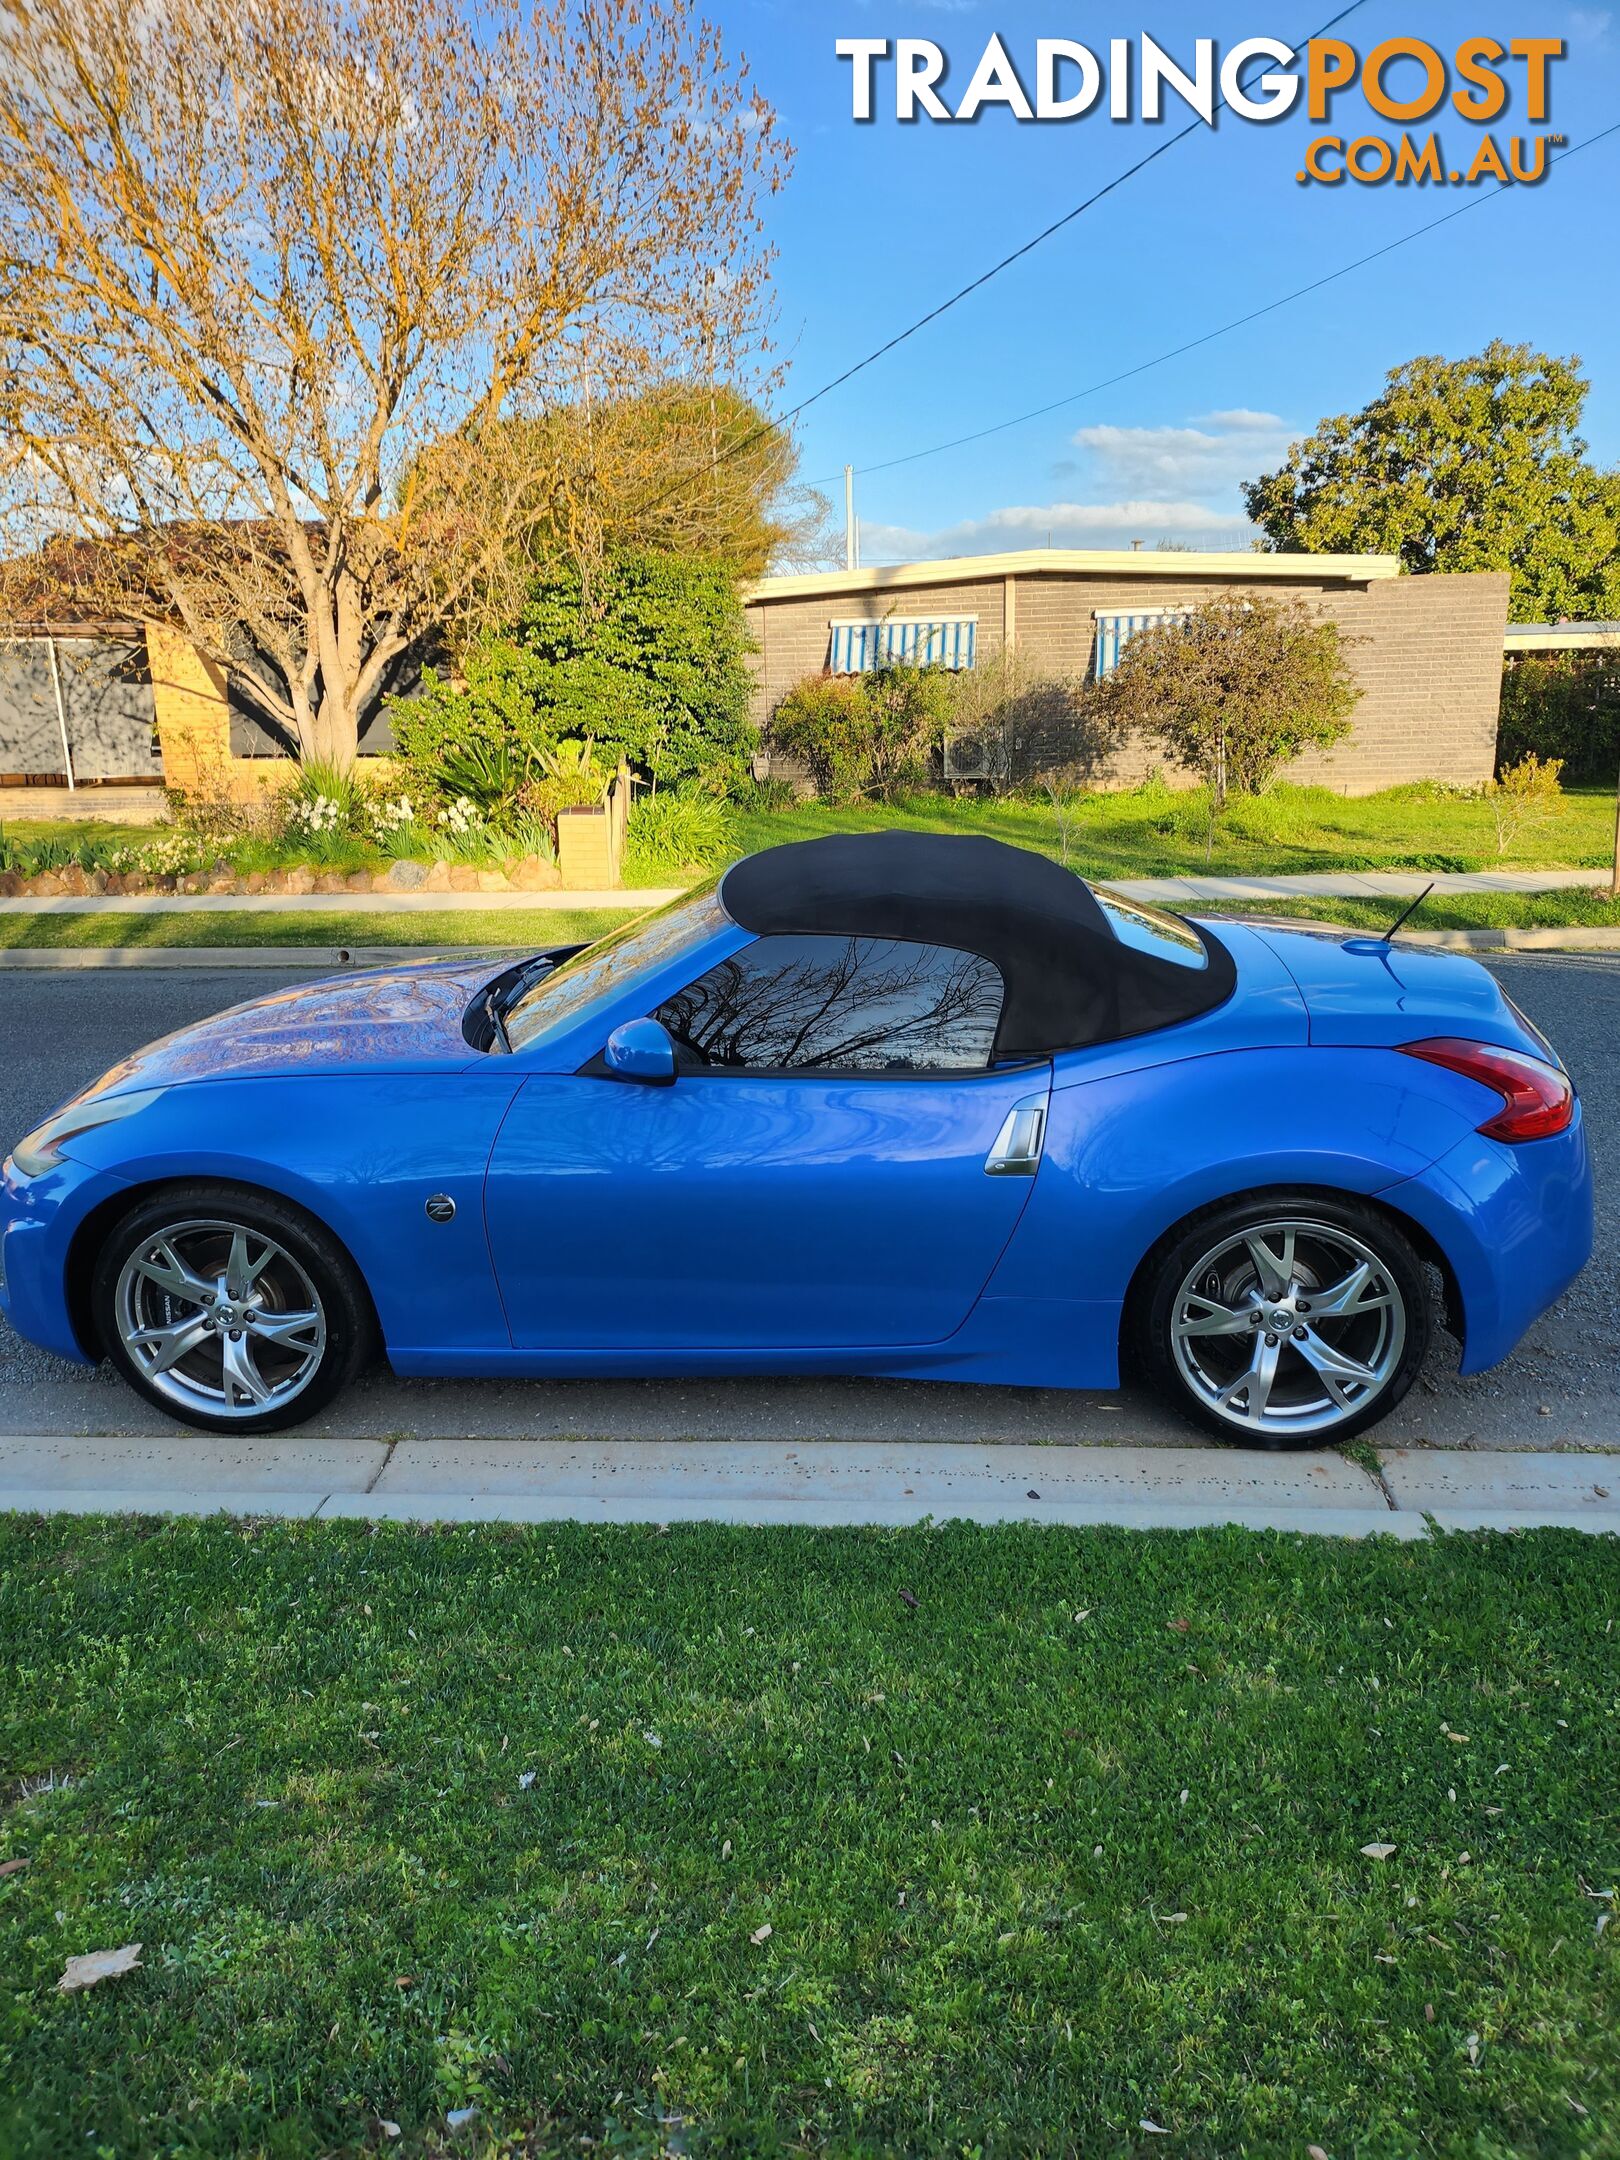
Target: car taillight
{"x": 1537, "y": 1099}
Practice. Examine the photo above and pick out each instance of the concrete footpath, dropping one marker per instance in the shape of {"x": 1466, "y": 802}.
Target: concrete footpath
{"x": 810, "y": 1483}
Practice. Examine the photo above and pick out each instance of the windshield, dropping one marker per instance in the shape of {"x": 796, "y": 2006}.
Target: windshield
{"x": 1151, "y": 929}
{"x": 645, "y": 942}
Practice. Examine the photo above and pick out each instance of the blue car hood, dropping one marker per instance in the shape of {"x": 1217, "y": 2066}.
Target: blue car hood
{"x": 406, "y": 1018}
{"x": 1359, "y": 991}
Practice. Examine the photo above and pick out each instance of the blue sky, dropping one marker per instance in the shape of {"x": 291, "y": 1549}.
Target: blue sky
{"x": 879, "y": 222}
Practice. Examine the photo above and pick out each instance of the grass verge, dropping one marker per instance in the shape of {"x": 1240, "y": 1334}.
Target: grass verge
{"x": 1441, "y": 911}
{"x": 524, "y": 929}
{"x": 517, "y": 928}
{"x": 951, "y": 1839}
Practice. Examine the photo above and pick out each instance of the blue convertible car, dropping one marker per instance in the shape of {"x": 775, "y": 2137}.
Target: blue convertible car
{"x": 888, "y": 1104}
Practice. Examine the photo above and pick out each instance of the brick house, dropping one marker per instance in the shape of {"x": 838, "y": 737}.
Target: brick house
{"x": 1427, "y": 651}
{"x": 97, "y": 717}
{"x": 120, "y": 709}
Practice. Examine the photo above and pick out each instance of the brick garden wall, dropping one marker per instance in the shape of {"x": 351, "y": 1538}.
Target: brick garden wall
{"x": 1427, "y": 653}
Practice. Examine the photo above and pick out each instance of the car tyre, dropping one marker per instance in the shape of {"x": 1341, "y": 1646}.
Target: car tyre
{"x": 234, "y": 1311}
{"x": 1285, "y": 1320}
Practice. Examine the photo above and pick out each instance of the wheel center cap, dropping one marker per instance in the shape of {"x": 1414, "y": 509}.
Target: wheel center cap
{"x": 1282, "y": 1317}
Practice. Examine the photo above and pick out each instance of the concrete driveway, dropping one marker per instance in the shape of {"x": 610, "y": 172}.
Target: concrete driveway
{"x": 1561, "y": 1389}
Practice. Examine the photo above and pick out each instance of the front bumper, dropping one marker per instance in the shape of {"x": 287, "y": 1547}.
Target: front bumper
{"x": 39, "y": 1219}
{"x": 1515, "y": 1222}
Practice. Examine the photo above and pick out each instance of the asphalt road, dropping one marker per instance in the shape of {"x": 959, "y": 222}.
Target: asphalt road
{"x": 1560, "y": 1389}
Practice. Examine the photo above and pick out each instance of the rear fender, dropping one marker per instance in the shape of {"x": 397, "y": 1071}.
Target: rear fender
{"x": 1128, "y": 1155}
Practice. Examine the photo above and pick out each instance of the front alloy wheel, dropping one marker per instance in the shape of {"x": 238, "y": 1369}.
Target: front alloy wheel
{"x": 1284, "y": 1328}
{"x": 240, "y": 1315}
{"x": 218, "y": 1317}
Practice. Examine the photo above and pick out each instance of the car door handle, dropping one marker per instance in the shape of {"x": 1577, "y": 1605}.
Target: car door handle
{"x": 1017, "y": 1152}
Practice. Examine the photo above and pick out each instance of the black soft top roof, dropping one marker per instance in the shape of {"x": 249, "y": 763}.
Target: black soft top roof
{"x": 1069, "y": 981}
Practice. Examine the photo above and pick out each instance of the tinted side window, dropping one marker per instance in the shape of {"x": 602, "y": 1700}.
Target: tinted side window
{"x": 839, "y": 1004}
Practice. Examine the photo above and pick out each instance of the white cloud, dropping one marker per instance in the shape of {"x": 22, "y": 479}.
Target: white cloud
{"x": 1590, "y": 26}
{"x": 1240, "y": 419}
{"x": 1128, "y": 485}
{"x": 1112, "y": 525}
{"x": 1202, "y": 461}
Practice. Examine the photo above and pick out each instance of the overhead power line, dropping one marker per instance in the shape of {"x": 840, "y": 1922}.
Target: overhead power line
{"x": 784, "y": 420}
{"x": 1193, "y": 127}
{"x": 1208, "y": 337}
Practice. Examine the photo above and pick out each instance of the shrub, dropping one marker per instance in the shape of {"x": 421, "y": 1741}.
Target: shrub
{"x": 1563, "y": 705}
{"x": 570, "y": 777}
{"x": 647, "y": 662}
{"x": 491, "y": 771}
{"x": 221, "y": 820}
{"x": 1233, "y": 689}
{"x": 1523, "y": 796}
{"x": 330, "y": 814}
{"x": 1012, "y": 725}
{"x": 865, "y": 735}
{"x": 674, "y": 832}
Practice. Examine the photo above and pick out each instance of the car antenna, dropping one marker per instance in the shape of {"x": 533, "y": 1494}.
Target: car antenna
{"x": 1406, "y": 914}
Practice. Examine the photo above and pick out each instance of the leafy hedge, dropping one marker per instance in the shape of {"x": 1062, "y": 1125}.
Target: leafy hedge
{"x": 1563, "y": 705}
{"x": 646, "y": 661}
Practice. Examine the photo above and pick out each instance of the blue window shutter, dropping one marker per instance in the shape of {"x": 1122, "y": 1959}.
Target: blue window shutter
{"x": 948, "y": 641}
{"x": 1114, "y": 633}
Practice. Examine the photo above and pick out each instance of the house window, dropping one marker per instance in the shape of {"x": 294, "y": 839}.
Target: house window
{"x": 923, "y": 641}
{"x": 1114, "y": 633}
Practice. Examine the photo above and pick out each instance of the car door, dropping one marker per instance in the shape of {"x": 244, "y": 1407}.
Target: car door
{"x": 838, "y": 1164}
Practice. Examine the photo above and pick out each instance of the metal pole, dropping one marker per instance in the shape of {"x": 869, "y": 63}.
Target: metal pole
{"x": 851, "y": 545}
{"x": 61, "y": 713}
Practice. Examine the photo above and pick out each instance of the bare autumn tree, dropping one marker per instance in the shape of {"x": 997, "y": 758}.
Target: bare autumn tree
{"x": 272, "y": 273}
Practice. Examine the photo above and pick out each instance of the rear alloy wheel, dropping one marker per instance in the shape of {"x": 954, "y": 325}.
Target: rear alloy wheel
{"x": 237, "y": 1316}
{"x": 1285, "y": 1327}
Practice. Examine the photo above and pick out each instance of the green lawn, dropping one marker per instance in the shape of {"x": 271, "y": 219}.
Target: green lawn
{"x": 1150, "y": 833}
{"x": 517, "y": 929}
{"x": 946, "y": 1840}
{"x": 73, "y": 830}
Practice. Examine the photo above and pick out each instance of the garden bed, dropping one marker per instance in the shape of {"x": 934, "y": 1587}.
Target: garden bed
{"x": 531, "y": 873}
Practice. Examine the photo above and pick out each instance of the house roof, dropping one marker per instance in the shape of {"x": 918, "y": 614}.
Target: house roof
{"x": 1559, "y": 637}
{"x": 1154, "y": 563}
{"x": 1068, "y": 980}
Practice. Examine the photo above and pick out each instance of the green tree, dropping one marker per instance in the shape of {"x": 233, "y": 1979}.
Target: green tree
{"x": 647, "y": 661}
{"x": 687, "y": 468}
{"x": 1233, "y": 689}
{"x": 693, "y": 469}
{"x": 1473, "y": 464}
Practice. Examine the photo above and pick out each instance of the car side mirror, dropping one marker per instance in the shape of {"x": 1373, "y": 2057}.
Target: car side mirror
{"x": 641, "y": 1050}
